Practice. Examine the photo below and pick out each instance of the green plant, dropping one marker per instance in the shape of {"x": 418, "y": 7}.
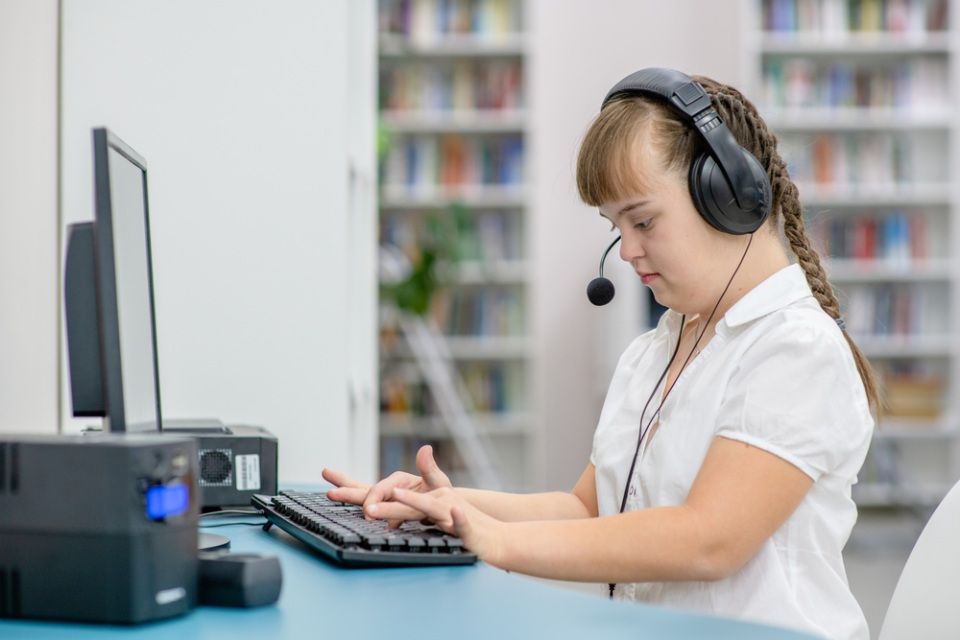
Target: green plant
{"x": 441, "y": 246}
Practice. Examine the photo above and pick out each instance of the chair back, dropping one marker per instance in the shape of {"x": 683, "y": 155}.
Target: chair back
{"x": 926, "y": 602}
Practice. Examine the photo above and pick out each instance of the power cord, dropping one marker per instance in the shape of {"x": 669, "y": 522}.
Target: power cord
{"x": 230, "y": 512}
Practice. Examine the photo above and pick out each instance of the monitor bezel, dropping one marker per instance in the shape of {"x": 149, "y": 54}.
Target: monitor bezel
{"x": 109, "y": 325}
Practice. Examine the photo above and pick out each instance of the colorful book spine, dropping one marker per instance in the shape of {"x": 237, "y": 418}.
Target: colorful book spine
{"x": 872, "y": 159}
{"x": 492, "y": 312}
{"x": 895, "y": 238}
{"x": 491, "y": 389}
{"x": 426, "y": 21}
{"x": 427, "y": 163}
{"x": 461, "y": 86}
{"x": 918, "y": 85}
{"x": 852, "y": 16}
{"x": 886, "y": 310}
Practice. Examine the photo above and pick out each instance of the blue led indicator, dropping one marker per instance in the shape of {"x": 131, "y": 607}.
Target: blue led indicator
{"x": 164, "y": 501}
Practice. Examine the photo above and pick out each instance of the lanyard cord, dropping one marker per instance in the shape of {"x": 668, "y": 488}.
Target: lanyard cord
{"x": 643, "y": 430}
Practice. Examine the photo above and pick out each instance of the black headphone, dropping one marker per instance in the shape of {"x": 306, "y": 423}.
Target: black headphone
{"x": 728, "y": 185}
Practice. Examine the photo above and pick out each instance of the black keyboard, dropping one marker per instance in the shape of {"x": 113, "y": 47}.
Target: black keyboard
{"x": 340, "y": 532}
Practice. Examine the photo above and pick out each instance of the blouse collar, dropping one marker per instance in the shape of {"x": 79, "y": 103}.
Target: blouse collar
{"x": 779, "y": 290}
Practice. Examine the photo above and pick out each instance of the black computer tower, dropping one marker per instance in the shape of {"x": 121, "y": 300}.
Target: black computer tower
{"x": 98, "y": 528}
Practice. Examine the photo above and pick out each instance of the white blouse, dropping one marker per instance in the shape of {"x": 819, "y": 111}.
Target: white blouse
{"x": 778, "y": 375}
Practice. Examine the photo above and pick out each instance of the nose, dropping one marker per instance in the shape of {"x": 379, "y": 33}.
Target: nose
{"x": 630, "y": 246}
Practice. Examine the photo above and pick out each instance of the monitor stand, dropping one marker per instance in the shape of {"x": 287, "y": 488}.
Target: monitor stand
{"x": 212, "y": 542}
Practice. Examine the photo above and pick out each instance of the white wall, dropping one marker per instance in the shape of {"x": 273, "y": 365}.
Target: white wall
{"x": 578, "y": 50}
{"x": 248, "y": 114}
{"x": 29, "y": 291}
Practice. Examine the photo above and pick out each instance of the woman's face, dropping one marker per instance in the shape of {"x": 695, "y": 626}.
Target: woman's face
{"x": 685, "y": 262}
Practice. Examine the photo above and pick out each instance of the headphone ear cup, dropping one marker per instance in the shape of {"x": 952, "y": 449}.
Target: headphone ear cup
{"x": 714, "y": 199}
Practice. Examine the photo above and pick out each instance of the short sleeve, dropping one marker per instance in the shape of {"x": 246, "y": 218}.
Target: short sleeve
{"x": 797, "y": 394}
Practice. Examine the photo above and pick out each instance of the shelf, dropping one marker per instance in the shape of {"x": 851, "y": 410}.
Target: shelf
{"x": 478, "y": 66}
{"x": 438, "y": 197}
{"x": 910, "y": 77}
{"x": 919, "y": 346}
{"x": 478, "y": 348}
{"x": 453, "y": 46}
{"x": 912, "y": 429}
{"x": 859, "y": 271}
{"x": 879, "y": 494}
{"x": 818, "y": 119}
{"x": 852, "y": 43}
{"x": 487, "y": 424}
{"x": 477, "y": 121}
{"x": 875, "y": 195}
{"x": 480, "y": 273}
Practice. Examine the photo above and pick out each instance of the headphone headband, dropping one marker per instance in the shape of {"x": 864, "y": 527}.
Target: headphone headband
{"x": 748, "y": 185}
{"x": 676, "y": 87}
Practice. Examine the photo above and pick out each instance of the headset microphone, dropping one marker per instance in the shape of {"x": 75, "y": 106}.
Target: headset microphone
{"x": 601, "y": 290}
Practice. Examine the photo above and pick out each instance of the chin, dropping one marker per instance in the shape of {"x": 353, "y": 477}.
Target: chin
{"x": 671, "y": 302}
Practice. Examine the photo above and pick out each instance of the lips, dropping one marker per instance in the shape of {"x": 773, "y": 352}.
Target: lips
{"x": 647, "y": 278}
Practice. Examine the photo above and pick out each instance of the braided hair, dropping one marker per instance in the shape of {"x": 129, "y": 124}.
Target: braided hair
{"x": 605, "y": 173}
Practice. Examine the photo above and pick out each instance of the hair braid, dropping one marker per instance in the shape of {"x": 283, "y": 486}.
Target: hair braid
{"x": 748, "y": 127}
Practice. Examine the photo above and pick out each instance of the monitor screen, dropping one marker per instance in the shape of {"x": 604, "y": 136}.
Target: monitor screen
{"x": 125, "y": 287}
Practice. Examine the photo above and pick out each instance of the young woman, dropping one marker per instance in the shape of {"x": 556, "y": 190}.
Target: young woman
{"x": 722, "y": 464}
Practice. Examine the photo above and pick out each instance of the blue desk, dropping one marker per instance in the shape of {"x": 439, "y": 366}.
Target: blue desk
{"x": 320, "y": 600}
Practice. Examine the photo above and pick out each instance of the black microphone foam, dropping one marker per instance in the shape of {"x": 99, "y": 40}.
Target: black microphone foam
{"x": 600, "y": 291}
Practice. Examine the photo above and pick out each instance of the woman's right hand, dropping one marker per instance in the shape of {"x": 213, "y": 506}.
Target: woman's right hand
{"x": 377, "y": 500}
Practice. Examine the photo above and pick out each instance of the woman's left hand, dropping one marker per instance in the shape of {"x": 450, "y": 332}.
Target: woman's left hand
{"x": 481, "y": 534}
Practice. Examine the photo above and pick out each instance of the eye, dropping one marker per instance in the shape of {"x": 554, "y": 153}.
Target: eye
{"x": 643, "y": 224}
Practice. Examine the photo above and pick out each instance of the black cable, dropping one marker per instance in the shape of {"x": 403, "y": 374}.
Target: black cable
{"x": 230, "y": 524}
{"x": 643, "y": 430}
{"x": 604, "y": 257}
{"x": 623, "y": 502}
{"x": 230, "y": 512}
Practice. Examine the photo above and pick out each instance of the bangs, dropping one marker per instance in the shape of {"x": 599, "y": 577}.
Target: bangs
{"x": 608, "y": 167}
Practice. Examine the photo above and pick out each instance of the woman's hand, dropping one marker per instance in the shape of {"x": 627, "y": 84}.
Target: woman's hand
{"x": 480, "y": 533}
{"x": 353, "y": 492}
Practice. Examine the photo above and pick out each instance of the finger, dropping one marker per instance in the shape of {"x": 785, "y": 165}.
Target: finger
{"x": 435, "y": 509}
{"x": 429, "y": 469}
{"x": 382, "y": 491}
{"x": 347, "y": 494}
{"x": 461, "y": 525}
{"x": 393, "y": 511}
{"x": 342, "y": 480}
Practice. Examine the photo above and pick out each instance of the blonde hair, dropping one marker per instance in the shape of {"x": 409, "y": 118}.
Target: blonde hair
{"x": 606, "y": 172}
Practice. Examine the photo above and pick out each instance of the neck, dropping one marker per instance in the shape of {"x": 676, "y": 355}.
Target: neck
{"x": 765, "y": 257}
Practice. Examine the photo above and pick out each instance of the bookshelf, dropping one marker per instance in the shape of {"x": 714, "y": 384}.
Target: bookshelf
{"x": 859, "y": 93}
{"x": 452, "y": 105}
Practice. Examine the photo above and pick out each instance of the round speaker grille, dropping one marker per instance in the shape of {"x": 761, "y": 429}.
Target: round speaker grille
{"x": 215, "y": 467}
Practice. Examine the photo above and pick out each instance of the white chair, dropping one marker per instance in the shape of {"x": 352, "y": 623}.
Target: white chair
{"x": 926, "y": 602}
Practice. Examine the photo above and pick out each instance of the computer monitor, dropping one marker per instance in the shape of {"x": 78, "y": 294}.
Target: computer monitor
{"x": 111, "y": 326}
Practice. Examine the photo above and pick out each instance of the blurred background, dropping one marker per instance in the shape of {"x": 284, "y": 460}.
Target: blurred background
{"x": 367, "y": 236}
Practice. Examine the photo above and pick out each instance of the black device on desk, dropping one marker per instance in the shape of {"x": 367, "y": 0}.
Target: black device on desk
{"x": 112, "y": 337}
{"x": 236, "y": 461}
{"x": 98, "y": 528}
{"x": 340, "y": 532}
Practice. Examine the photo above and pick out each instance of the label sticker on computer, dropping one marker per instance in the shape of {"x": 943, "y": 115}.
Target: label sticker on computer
{"x": 247, "y": 472}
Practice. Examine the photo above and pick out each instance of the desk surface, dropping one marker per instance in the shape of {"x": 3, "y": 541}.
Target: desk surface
{"x": 320, "y": 600}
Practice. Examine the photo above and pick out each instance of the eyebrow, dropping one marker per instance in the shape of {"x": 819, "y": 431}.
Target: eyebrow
{"x": 635, "y": 205}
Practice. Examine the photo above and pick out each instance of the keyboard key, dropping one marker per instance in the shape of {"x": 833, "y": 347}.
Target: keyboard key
{"x": 416, "y": 543}
{"x": 374, "y": 541}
